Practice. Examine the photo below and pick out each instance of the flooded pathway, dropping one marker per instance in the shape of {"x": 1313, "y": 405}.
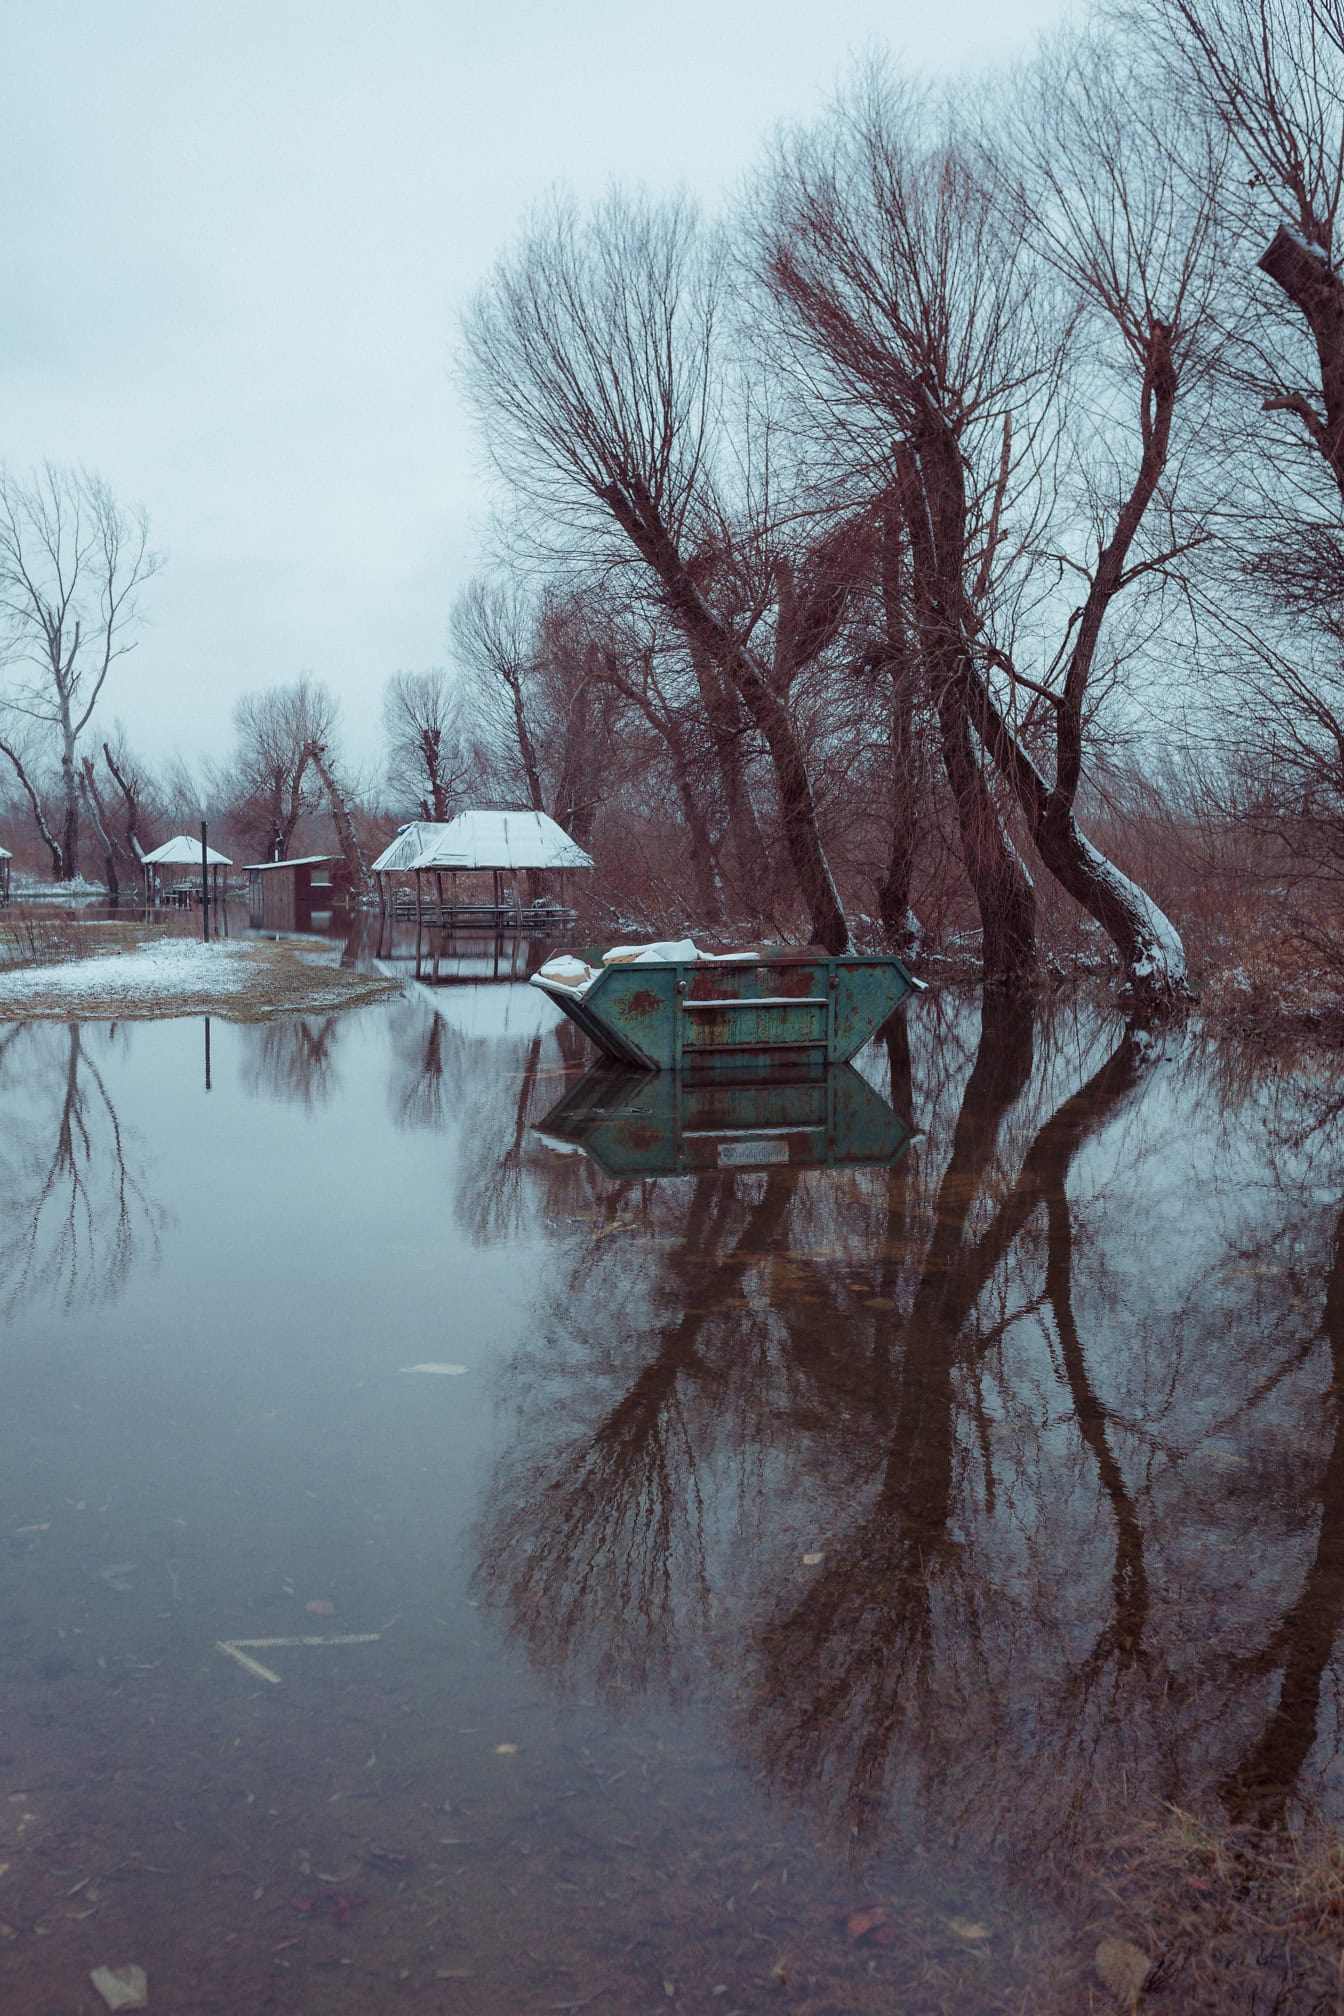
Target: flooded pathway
{"x": 823, "y": 1557}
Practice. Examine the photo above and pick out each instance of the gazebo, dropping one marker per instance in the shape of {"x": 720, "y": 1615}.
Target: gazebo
{"x": 183, "y": 852}
{"x": 488, "y": 841}
{"x": 5, "y": 858}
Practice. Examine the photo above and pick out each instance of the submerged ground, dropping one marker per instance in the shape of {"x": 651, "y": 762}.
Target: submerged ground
{"x": 910, "y": 1582}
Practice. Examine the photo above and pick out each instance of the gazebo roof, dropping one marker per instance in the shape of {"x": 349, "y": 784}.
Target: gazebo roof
{"x": 410, "y": 842}
{"x": 185, "y": 853}
{"x": 495, "y": 839}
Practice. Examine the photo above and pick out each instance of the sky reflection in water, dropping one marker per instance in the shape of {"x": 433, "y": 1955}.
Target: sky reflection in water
{"x": 1049, "y": 1390}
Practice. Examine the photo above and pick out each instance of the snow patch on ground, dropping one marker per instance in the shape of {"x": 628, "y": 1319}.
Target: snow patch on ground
{"x": 166, "y": 966}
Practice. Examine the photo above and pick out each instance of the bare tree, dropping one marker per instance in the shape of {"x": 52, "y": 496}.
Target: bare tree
{"x": 906, "y": 313}
{"x": 269, "y": 785}
{"x": 16, "y": 746}
{"x": 72, "y": 564}
{"x": 493, "y": 628}
{"x": 940, "y": 302}
{"x": 427, "y": 761}
{"x": 593, "y": 364}
{"x": 133, "y": 785}
{"x": 1269, "y": 76}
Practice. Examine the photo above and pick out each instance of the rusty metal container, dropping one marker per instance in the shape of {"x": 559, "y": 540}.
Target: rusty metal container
{"x": 744, "y": 1015}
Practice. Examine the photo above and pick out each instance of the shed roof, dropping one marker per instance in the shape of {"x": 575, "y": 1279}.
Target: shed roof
{"x": 299, "y": 861}
{"x": 5, "y": 854}
{"x": 411, "y": 841}
{"x": 185, "y": 853}
{"x": 496, "y": 839}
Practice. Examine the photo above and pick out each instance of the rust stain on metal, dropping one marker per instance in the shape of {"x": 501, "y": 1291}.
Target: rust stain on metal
{"x": 644, "y": 1002}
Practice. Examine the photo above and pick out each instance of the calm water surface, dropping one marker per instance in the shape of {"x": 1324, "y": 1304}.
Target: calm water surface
{"x": 800, "y": 1534}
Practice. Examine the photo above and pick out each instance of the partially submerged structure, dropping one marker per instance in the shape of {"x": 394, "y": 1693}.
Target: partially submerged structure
{"x": 437, "y": 873}
{"x": 177, "y": 871}
{"x": 6, "y": 860}
{"x": 299, "y": 895}
{"x": 673, "y": 1007}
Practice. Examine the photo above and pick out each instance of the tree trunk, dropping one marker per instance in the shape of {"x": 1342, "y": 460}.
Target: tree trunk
{"x": 899, "y": 924}
{"x": 132, "y": 804}
{"x": 933, "y": 499}
{"x": 344, "y": 824}
{"x": 635, "y": 513}
{"x": 39, "y": 816}
{"x": 99, "y": 818}
{"x": 70, "y": 816}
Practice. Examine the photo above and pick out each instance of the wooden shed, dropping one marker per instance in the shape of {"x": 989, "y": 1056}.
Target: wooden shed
{"x": 300, "y": 895}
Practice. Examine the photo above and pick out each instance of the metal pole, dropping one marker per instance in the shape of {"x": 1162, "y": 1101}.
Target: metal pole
{"x": 207, "y": 1053}
{"x": 205, "y": 886}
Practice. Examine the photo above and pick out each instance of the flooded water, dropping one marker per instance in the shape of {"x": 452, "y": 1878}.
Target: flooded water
{"x": 831, "y": 1520}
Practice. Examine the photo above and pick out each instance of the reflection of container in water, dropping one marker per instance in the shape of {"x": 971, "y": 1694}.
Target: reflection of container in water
{"x": 637, "y": 1124}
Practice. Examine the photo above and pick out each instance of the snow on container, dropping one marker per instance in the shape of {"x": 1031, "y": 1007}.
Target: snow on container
{"x": 671, "y": 1007}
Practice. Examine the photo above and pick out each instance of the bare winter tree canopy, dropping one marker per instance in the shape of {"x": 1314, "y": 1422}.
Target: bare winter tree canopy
{"x": 942, "y": 547}
{"x": 72, "y": 564}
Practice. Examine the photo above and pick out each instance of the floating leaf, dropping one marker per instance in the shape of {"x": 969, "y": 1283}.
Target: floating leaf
{"x": 122, "y": 1987}
{"x": 1123, "y": 1968}
{"x": 506, "y": 1749}
{"x": 871, "y": 1922}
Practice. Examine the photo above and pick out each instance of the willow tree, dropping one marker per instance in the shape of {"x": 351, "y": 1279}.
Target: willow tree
{"x": 595, "y": 365}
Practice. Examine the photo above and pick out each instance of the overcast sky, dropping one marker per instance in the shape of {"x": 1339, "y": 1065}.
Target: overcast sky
{"x": 237, "y": 236}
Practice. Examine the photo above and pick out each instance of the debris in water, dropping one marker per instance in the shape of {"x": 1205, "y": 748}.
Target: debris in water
{"x": 240, "y": 1649}
{"x": 870, "y": 1921}
{"x": 122, "y": 1987}
{"x": 252, "y": 1666}
{"x": 115, "y": 1576}
{"x": 506, "y": 1749}
{"x": 319, "y": 1607}
{"x": 447, "y": 1370}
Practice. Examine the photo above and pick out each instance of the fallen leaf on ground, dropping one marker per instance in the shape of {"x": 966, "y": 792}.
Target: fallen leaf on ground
{"x": 122, "y": 1987}
{"x": 1123, "y": 1968}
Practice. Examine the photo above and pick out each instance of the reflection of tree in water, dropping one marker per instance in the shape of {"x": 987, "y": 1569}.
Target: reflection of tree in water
{"x": 74, "y": 1208}
{"x": 943, "y": 1367}
{"x": 492, "y": 1095}
{"x": 292, "y": 1058}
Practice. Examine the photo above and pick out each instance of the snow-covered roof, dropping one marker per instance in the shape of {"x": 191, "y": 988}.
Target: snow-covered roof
{"x": 492, "y": 839}
{"x": 5, "y": 854}
{"x": 299, "y": 861}
{"x": 411, "y": 841}
{"x": 184, "y": 853}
